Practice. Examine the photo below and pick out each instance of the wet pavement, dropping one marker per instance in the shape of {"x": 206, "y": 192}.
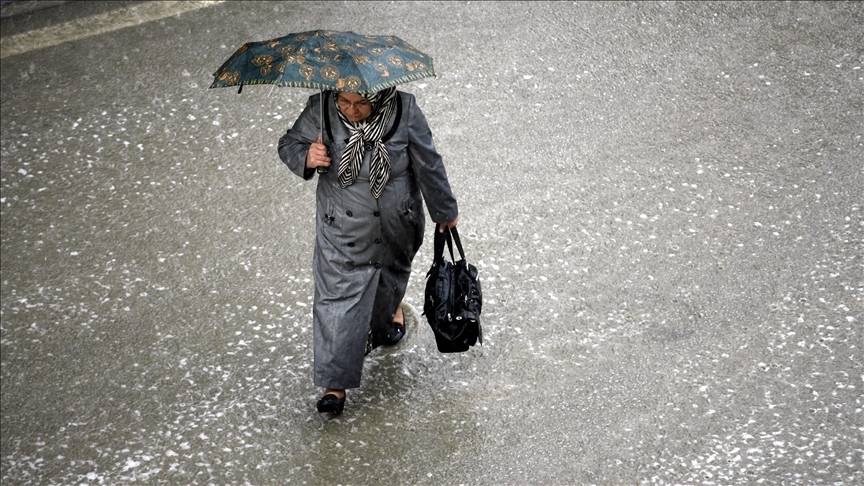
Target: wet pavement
{"x": 664, "y": 201}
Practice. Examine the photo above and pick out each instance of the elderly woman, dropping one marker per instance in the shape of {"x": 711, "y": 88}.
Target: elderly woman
{"x": 369, "y": 222}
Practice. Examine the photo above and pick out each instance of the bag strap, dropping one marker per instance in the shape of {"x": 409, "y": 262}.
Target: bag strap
{"x": 439, "y": 247}
{"x": 440, "y": 239}
{"x": 458, "y": 243}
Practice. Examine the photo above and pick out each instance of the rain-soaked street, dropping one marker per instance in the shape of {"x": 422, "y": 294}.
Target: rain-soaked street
{"x": 664, "y": 201}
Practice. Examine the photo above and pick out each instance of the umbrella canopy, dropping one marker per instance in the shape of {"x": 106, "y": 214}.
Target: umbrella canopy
{"x": 325, "y": 60}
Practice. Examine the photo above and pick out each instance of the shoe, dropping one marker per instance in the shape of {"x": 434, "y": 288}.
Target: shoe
{"x": 394, "y": 335}
{"x": 331, "y": 404}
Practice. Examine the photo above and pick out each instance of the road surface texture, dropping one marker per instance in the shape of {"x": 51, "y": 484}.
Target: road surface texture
{"x": 664, "y": 201}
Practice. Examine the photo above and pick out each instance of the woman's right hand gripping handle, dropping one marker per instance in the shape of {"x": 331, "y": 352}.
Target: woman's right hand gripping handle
{"x": 317, "y": 158}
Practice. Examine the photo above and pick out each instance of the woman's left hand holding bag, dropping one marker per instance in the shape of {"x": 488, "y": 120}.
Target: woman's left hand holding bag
{"x": 448, "y": 225}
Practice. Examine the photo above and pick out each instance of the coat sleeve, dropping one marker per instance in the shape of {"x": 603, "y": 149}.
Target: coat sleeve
{"x": 428, "y": 167}
{"x": 294, "y": 145}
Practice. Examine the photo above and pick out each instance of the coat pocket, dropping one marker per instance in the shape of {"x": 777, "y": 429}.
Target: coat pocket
{"x": 411, "y": 210}
{"x": 409, "y": 206}
{"x": 329, "y": 215}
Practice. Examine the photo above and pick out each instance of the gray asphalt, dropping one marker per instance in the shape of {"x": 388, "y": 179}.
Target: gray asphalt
{"x": 664, "y": 201}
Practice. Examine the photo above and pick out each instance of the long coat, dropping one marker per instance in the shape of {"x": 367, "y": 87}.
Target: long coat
{"x": 363, "y": 246}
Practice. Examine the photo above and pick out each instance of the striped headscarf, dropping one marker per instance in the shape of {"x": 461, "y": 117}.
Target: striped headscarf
{"x": 369, "y": 130}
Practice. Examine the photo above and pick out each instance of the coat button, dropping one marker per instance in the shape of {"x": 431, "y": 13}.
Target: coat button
{"x": 368, "y": 145}
{"x": 376, "y": 213}
{"x": 349, "y": 213}
{"x": 378, "y": 241}
{"x": 376, "y": 264}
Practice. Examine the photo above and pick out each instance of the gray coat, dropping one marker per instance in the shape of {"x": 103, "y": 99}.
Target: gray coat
{"x": 363, "y": 247}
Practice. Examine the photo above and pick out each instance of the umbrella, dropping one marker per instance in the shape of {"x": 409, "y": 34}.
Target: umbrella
{"x": 325, "y": 60}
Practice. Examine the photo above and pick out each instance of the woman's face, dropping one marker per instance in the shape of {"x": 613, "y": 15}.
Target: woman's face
{"x": 354, "y": 106}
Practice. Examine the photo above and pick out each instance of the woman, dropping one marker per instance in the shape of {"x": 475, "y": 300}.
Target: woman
{"x": 369, "y": 221}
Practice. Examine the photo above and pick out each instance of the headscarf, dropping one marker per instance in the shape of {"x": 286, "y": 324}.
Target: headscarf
{"x": 368, "y": 131}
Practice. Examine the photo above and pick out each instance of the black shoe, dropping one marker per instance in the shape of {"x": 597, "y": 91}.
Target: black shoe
{"x": 331, "y": 404}
{"x": 394, "y": 335}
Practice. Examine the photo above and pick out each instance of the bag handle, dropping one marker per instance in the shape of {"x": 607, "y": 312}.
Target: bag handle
{"x": 458, "y": 243}
{"x": 440, "y": 239}
{"x": 449, "y": 236}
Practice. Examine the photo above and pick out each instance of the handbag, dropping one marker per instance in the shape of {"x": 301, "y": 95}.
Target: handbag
{"x": 453, "y": 298}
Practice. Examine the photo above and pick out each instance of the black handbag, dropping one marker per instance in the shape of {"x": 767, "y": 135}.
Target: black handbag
{"x": 453, "y": 299}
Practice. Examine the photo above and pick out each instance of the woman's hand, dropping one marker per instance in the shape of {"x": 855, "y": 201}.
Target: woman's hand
{"x": 449, "y": 224}
{"x": 317, "y": 155}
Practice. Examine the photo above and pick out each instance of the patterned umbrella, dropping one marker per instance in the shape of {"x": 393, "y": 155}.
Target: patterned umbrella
{"x": 323, "y": 59}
